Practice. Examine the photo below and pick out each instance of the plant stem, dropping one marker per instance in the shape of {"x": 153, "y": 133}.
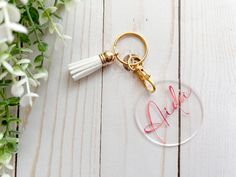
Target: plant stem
{"x": 7, "y": 117}
{"x": 34, "y": 29}
{"x": 55, "y": 3}
{"x": 50, "y": 20}
{"x": 7, "y": 111}
{"x": 32, "y": 23}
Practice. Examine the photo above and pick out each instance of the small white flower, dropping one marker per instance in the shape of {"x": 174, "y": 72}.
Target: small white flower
{"x": 5, "y": 175}
{"x": 24, "y": 1}
{"x": 3, "y": 57}
{"x": 17, "y": 88}
{"x": 3, "y": 47}
{"x": 70, "y": 4}
{"x": 66, "y": 37}
{"x": 23, "y": 61}
{"x": 43, "y": 17}
{"x": 4, "y": 36}
{"x": 33, "y": 82}
{"x": 51, "y": 9}
{"x": 3, "y": 62}
{"x": 42, "y": 74}
{"x": 11, "y": 16}
{"x": 17, "y": 27}
{"x": 24, "y": 66}
{"x": 26, "y": 50}
{"x": 9, "y": 166}
{"x": 1, "y": 17}
{"x": 13, "y": 13}
{"x": 18, "y": 71}
{"x": 7, "y": 66}
{"x": 2, "y": 75}
{"x": 27, "y": 99}
{"x": 3, "y": 4}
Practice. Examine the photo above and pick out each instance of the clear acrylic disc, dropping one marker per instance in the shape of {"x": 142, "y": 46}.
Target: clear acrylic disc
{"x": 170, "y": 116}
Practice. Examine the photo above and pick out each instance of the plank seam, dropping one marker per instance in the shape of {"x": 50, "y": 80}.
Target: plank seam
{"x": 179, "y": 88}
{"x": 101, "y": 111}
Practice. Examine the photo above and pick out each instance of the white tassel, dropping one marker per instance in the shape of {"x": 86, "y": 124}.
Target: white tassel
{"x": 87, "y": 66}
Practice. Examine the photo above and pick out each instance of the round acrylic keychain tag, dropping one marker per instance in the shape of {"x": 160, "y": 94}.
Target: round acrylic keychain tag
{"x": 170, "y": 116}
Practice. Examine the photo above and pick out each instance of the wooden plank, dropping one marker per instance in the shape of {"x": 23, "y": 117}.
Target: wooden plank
{"x": 61, "y": 137}
{"x": 124, "y": 151}
{"x": 208, "y": 65}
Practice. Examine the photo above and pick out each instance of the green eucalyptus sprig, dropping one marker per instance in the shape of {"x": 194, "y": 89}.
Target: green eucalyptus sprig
{"x": 23, "y": 24}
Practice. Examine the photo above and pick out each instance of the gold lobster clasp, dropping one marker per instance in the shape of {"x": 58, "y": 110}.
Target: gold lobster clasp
{"x": 133, "y": 64}
{"x": 145, "y": 78}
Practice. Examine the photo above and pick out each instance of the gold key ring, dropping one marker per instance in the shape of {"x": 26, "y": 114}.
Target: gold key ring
{"x": 136, "y": 35}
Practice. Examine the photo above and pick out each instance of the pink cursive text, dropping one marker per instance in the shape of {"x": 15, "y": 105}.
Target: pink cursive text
{"x": 166, "y": 112}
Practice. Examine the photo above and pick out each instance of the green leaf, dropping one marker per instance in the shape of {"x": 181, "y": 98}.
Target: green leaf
{"x": 1, "y": 136}
{"x": 14, "y": 120}
{"x": 2, "y": 142}
{"x": 4, "y": 122}
{"x": 15, "y": 51}
{"x": 5, "y": 83}
{"x": 3, "y": 103}
{"x": 4, "y": 156}
{"x": 11, "y": 147}
{"x": 11, "y": 139}
{"x": 11, "y": 47}
{"x": 13, "y": 132}
{"x": 13, "y": 101}
{"x": 34, "y": 14}
{"x": 2, "y": 112}
{"x": 24, "y": 38}
{"x": 38, "y": 60}
{"x": 4, "y": 57}
{"x": 42, "y": 46}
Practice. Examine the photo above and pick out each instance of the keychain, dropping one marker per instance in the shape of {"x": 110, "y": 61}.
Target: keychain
{"x": 131, "y": 62}
{"x": 158, "y": 115}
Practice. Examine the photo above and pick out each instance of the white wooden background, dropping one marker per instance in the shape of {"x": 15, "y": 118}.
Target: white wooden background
{"x": 87, "y": 129}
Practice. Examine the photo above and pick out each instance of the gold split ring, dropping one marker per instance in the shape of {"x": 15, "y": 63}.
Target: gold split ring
{"x": 136, "y": 35}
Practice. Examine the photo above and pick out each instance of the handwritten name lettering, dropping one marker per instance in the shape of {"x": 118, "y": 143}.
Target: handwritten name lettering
{"x": 166, "y": 112}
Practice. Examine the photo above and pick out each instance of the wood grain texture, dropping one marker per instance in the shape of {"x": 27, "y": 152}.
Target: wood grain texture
{"x": 208, "y": 65}
{"x": 87, "y": 129}
{"x": 124, "y": 151}
{"x": 62, "y": 136}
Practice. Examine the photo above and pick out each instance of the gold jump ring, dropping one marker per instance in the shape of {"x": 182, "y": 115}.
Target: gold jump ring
{"x": 136, "y": 35}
